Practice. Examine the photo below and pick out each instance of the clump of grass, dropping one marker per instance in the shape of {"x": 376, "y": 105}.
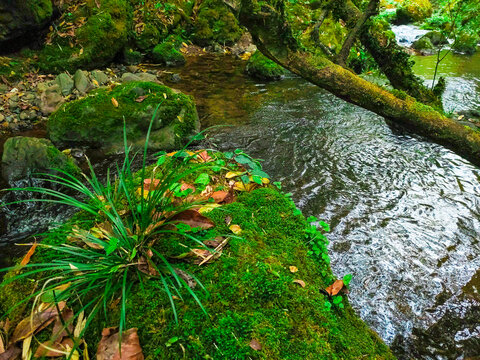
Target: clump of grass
{"x": 95, "y": 268}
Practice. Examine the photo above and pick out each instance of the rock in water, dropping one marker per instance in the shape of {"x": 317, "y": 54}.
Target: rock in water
{"x": 100, "y": 77}
{"x": 24, "y": 156}
{"x": 66, "y": 84}
{"x": 18, "y": 18}
{"x": 98, "y": 120}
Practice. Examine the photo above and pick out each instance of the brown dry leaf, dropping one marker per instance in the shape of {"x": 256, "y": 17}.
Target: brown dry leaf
{"x": 186, "y": 277}
{"x": 218, "y": 196}
{"x": 299, "y": 282}
{"x": 151, "y": 184}
{"x": 194, "y": 219}
{"x": 2, "y": 346}
{"x": 114, "y": 102}
{"x": 186, "y": 186}
{"x": 335, "y": 288}
{"x": 203, "y": 155}
{"x": 26, "y": 258}
{"x": 97, "y": 2}
{"x": 108, "y": 348}
{"x": 36, "y": 322}
{"x": 255, "y": 345}
{"x": 59, "y": 331}
{"x": 215, "y": 242}
{"x": 293, "y": 269}
{"x": 52, "y": 348}
{"x": 236, "y": 229}
{"x": 140, "y": 98}
{"x": 145, "y": 266}
{"x": 228, "y": 220}
{"x": 12, "y": 353}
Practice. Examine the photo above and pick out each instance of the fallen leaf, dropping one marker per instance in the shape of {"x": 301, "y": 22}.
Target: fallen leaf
{"x": 186, "y": 186}
{"x": 194, "y": 219}
{"x": 2, "y": 346}
{"x": 236, "y": 229}
{"x": 59, "y": 331}
{"x": 240, "y": 186}
{"x": 293, "y": 269}
{"x": 36, "y": 322}
{"x": 232, "y": 174}
{"x": 140, "y": 98}
{"x": 215, "y": 242}
{"x": 52, "y": 348}
{"x": 228, "y": 220}
{"x": 12, "y": 353}
{"x": 218, "y": 196}
{"x": 151, "y": 184}
{"x": 26, "y": 348}
{"x": 335, "y": 288}
{"x": 299, "y": 282}
{"x": 255, "y": 345}
{"x": 108, "y": 348}
{"x": 26, "y": 258}
{"x": 186, "y": 277}
{"x": 207, "y": 208}
{"x": 114, "y": 102}
{"x": 203, "y": 155}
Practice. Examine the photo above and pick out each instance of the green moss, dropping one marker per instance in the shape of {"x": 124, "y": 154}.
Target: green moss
{"x": 216, "y": 23}
{"x": 424, "y": 44}
{"x": 42, "y": 10}
{"x": 414, "y": 10}
{"x": 95, "y": 121}
{"x": 96, "y": 42}
{"x": 132, "y": 57}
{"x": 466, "y": 43}
{"x": 168, "y": 52}
{"x": 261, "y": 67}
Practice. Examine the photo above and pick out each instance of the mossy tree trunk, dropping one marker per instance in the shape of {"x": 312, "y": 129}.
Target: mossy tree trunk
{"x": 273, "y": 36}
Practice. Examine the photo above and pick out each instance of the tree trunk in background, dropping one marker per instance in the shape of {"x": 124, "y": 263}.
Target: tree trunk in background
{"x": 274, "y": 38}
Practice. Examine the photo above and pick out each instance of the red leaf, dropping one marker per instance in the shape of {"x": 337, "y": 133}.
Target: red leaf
{"x": 151, "y": 184}
{"x": 203, "y": 155}
{"x": 218, "y": 196}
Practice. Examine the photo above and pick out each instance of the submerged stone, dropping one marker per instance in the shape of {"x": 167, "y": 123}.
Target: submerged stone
{"x": 25, "y": 156}
{"x": 98, "y": 119}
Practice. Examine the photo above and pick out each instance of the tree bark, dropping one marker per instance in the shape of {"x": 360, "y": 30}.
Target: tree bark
{"x": 274, "y": 38}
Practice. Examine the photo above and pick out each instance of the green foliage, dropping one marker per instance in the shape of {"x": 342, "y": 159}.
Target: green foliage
{"x": 414, "y": 10}
{"x": 317, "y": 240}
{"x": 168, "y": 52}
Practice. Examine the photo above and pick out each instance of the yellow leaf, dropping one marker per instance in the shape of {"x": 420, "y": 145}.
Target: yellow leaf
{"x": 164, "y": 95}
{"x": 293, "y": 269}
{"x": 179, "y": 118}
{"x": 265, "y": 181}
{"x": 240, "y": 186}
{"x": 236, "y": 229}
{"x": 232, "y": 174}
{"x": 114, "y": 102}
{"x": 145, "y": 192}
{"x": 358, "y": 54}
{"x": 245, "y": 56}
{"x": 95, "y": 82}
{"x": 207, "y": 208}
{"x": 299, "y": 282}
{"x": 81, "y": 51}
{"x": 184, "y": 44}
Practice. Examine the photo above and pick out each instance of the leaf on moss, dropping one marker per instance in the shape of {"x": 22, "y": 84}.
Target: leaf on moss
{"x": 236, "y": 229}
{"x": 12, "y": 353}
{"x": 26, "y": 258}
{"x": 255, "y": 345}
{"x": 299, "y": 282}
{"x": 293, "y": 269}
{"x": 194, "y": 219}
{"x": 335, "y": 288}
{"x": 108, "y": 348}
{"x": 52, "y": 348}
{"x": 115, "y": 102}
{"x": 218, "y": 196}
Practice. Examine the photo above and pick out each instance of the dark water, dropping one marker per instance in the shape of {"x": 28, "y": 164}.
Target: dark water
{"x": 405, "y": 213}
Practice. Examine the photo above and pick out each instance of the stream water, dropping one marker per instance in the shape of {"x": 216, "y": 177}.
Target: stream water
{"x": 404, "y": 212}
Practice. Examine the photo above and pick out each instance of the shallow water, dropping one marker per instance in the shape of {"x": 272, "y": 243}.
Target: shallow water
{"x": 404, "y": 212}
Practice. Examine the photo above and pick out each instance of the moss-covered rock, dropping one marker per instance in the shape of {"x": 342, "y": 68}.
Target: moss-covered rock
{"x": 132, "y": 57}
{"x": 25, "y": 156}
{"x": 251, "y": 296}
{"x": 261, "y": 67}
{"x": 17, "y": 18}
{"x": 466, "y": 43}
{"x": 414, "y": 10}
{"x": 436, "y": 37}
{"x": 101, "y": 34}
{"x": 96, "y": 121}
{"x": 168, "y": 53}
{"x": 215, "y": 23}
{"x": 424, "y": 45}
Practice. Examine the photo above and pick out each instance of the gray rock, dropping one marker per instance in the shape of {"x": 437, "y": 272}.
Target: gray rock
{"x": 24, "y": 156}
{"x": 128, "y": 77}
{"x": 50, "y": 99}
{"x": 66, "y": 83}
{"x": 147, "y": 77}
{"x": 132, "y": 68}
{"x": 175, "y": 78}
{"x": 81, "y": 81}
{"x": 100, "y": 77}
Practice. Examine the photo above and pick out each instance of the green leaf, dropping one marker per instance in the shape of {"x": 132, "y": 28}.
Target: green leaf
{"x": 257, "y": 179}
{"x": 347, "y": 278}
{"x": 337, "y": 300}
{"x": 202, "y": 179}
{"x": 172, "y": 341}
{"x": 278, "y": 184}
{"x": 245, "y": 179}
{"x": 229, "y": 155}
{"x": 311, "y": 219}
{"x": 243, "y": 159}
{"x": 260, "y": 173}
{"x": 238, "y": 151}
{"x": 112, "y": 246}
{"x": 324, "y": 226}
{"x": 161, "y": 160}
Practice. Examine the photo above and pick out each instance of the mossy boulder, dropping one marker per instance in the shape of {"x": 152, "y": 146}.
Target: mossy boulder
{"x": 18, "y": 18}
{"x": 215, "y": 23}
{"x": 252, "y": 296}
{"x": 424, "y": 45}
{"x": 466, "y": 43}
{"x": 100, "y": 37}
{"x": 132, "y": 57}
{"x": 436, "y": 37}
{"x": 25, "y": 156}
{"x": 261, "y": 67}
{"x": 168, "y": 52}
{"x": 97, "y": 120}
{"x": 414, "y": 11}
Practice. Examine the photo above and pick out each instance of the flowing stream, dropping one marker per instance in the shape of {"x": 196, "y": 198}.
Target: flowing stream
{"x": 404, "y": 212}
